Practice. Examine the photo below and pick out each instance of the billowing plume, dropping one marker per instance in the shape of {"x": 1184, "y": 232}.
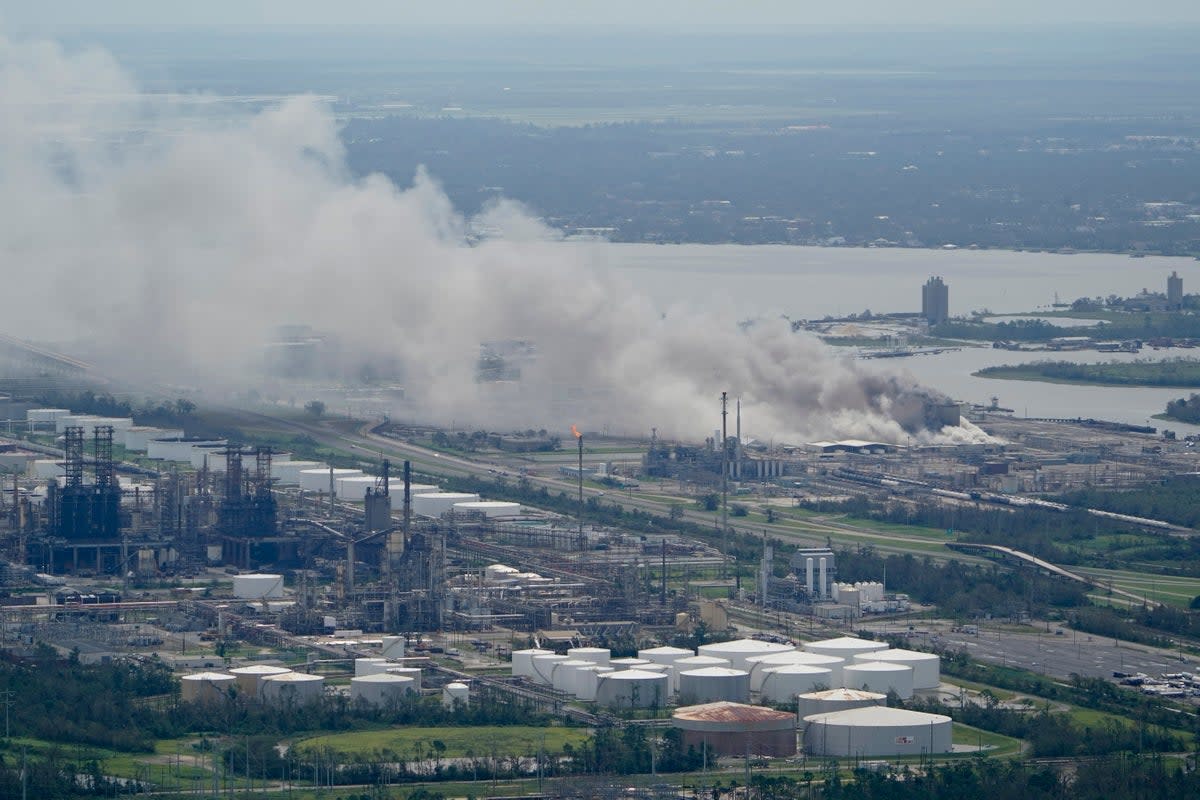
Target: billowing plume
{"x": 176, "y": 247}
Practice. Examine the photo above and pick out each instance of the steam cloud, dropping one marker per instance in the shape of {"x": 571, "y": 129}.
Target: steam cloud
{"x": 176, "y": 246}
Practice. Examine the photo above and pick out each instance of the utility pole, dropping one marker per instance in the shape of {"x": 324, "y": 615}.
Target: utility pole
{"x": 8, "y": 701}
{"x": 724, "y": 485}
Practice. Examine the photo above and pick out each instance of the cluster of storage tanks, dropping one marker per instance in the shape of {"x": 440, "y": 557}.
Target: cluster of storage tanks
{"x": 262, "y": 682}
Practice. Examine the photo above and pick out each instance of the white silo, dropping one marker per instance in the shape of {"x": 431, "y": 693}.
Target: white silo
{"x": 413, "y": 673}
{"x": 563, "y": 676}
{"x": 491, "y": 509}
{"x": 738, "y": 650}
{"x": 456, "y": 694}
{"x": 522, "y": 661}
{"x": 632, "y": 688}
{"x": 758, "y": 664}
{"x": 926, "y": 667}
{"x": 543, "y": 668}
{"x": 664, "y": 655}
{"x": 393, "y": 647}
{"x": 257, "y": 586}
{"x": 380, "y": 689}
{"x": 596, "y": 655}
{"x": 587, "y": 681}
{"x": 879, "y": 676}
{"x": 782, "y": 683}
{"x": 836, "y": 700}
{"x": 824, "y": 572}
{"x": 250, "y": 678}
{"x": 296, "y": 688}
{"x": 205, "y": 687}
{"x": 808, "y": 575}
{"x": 876, "y": 731}
{"x": 317, "y": 480}
{"x": 435, "y": 504}
{"x": 713, "y": 684}
{"x": 844, "y": 647}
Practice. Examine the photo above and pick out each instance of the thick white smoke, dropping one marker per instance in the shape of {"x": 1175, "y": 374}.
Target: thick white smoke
{"x": 176, "y": 249}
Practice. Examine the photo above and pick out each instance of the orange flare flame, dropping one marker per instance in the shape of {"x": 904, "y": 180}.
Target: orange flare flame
{"x": 575, "y": 431}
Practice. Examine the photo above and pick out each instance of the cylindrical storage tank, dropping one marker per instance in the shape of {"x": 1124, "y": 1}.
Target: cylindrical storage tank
{"x": 287, "y": 473}
{"x": 876, "y": 731}
{"x": 836, "y": 700}
{"x": 211, "y": 456}
{"x": 205, "y": 687}
{"x": 250, "y": 678}
{"x": 879, "y": 676}
{"x": 737, "y": 730}
{"x": 759, "y": 664}
{"x": 522, "y": 661}
{"x": 456, "y": 694}
{"x": 297, "y": 688}
{"x": 543, "y": 668}
{"x": 781, "y": 684}
{"x": 380, "y": 689}
{"x": 846, "y": 647}
{"x": 435, "y": 504}
{"x": 665, "y": 655}
{"x": 627, "y": 663}
{"x": 694, "y": 662}
{"x": 632, "y": 688}
{"x": 587, "y": 681}
{"x": 257, "y": 586}
{"x": 176, "y": 448}
{"x": 713, "y": 684}
{"x": 926, "y": 667}
{"x": 738, "y": 650}
{"x": 354, "y": 488}
{"x": 596, "y": 655}
{"x": 563, "y": 676}
{"x": 393, "y": 647}
{"x": 137, "y": 438}
{"x": 412, "y": 673}
{"x": 491, "y": 509}
{"x": 372, "y": 666}
{"x": 317, "y": 480}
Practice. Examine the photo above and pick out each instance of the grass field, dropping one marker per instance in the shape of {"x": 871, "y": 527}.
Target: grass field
{"x": 459, "y": 741}
{"x": 1168, "y": 589}
{"x": 995, "y": 743}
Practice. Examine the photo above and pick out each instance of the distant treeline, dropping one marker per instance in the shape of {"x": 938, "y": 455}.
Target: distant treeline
{"x": 1185, "y": 409}
{"x": 1171, "y": 372}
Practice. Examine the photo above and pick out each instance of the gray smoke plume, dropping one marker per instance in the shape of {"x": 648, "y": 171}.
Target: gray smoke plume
{"x": 175, "y": 245}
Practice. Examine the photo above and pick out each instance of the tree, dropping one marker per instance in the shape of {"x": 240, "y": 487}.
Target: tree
{"x": 315, "y": 407}
{"x": 710, "y": 501}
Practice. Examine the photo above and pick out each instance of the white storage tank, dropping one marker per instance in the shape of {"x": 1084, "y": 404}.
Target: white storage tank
{"x": 256, "y": 586}
{"x": 713, "y": 684}
{"x": 176, "y": 448}
{"x": 563, "y": 676}
{"x": 846, "y": 647}
{"x": 693, "y": 662}
{"x": 632, "y": 688}
{"x": 758, "y": 664}
{"x": 393, "y": 647}
{"x": 543, "y": 668}
{"x": 138, "y": 438}
{"x": 435, "y": 504}
{"x": 380, "y": 689}
{"x": 287, "y": 473}
{"x": 456, "y": 694}
{"x": 596, "y": 655}
{"x": 665, "y": 655}
{"x": 250, "y": 678}
{"x": 926, "y": 667}
{"x": 522, "y": 661}
{"x": 587, "y": 681}
{"x": 491, "y": 509}
{"x": 355, "y": 487}
{"x": 374, "y": 665}
{"x": 205, "y": 687}
{"x": 412, "y": 673}
{"x": 836, "y": 700}
{"x": 317, "y": 480}
{"x": 499, "y": 573}
{"x": 782, "y": 683}
{"x": 209, "y": 456}
{"x": 739, "y": 650}
{"x": 876, "y": 731}
{"x": 294, "y": 687}
{"x": 879, "y": 676}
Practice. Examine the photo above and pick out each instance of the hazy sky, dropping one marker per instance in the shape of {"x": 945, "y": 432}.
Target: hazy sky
{"x": 53, "y": 13}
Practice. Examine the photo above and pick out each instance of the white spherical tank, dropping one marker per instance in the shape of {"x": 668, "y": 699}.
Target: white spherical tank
{"x": 317, "y": 480}
{"x": 587, "y": 681}
{"x": 836, "y": 700}
{"x": 287, "y": 473}
{"x": 295, "y": 688}
{"x": 783, "y": 683}
{"x": 844, "y": 647}
{"x": 926, "y": 667}
{"x": 758, "y": 664}
{"x": 713, "y": 684}
{"x": 456, "y": 695}
{"x": 413, "y": 673}
{"x": 257, "y": 586}
{"x": 205, "y": 687}
{"x": 693, "y": 662}
{"x": 543, "y": 668}
{"x": 632, "y": 688}
{"x": 380, "y": 689}
{"x": 563, "y": 676}
{"x": 596, "y": 655}
{"x": 876, "y": 731}
{"x": 435, "y": 504}
{"x": 250, "y": 678}
{"x": 739, "y": 650}
{"x": 491, "y": 509}
{"x": 879, "y": 676}
{"x": 522, "y": 661}
{"x": 664, "y": 655}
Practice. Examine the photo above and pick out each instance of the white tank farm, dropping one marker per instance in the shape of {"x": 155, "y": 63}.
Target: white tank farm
{"x": 250, "y": 678}
{"x": 256, "y": 586}
{"x": 205, "y": 687}
{"x": 176, "y": 448}
{"x": 298, "y": 688}
{"x": 393, "y": 647}
{"x": 491, "y": 509}
{"x": 138, "y": 438}
{"x": 926, "y": 667}
{"x": 543, "y": 668}
{"x": 713, "y": 684}
{"x": 287, "y": 473}
{"x": 380, "y": 689}
{"x": 879, "y": 676}
{"x": 435, "y": 504}
{"x": 317, "y": 480}
{"x": 563, "y": 676}
{"x": 413, "y": 673}
{"x": 781, "y": 684}
{"x": 587, "y": 681}
{"x": 846, "y": 647}
{"x": 522, "y": 661}
{"x": 876, "y": 731}
{"x": 738, "y": 650}
{"x": 596, "y": 655}
{"x": 664, "y": 655}
{"x": 836, "y": 700}
{"x": 758, "y": 664}
{"x": 694, "y": 662}
{"x": 632, "y": 688}
{"x": 456, "y": 694}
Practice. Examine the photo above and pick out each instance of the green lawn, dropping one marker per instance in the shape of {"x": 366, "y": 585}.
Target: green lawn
{"x": 996, "y": 744}
{"x": 1168, "y": 589}
{"x": 500, "y": 740}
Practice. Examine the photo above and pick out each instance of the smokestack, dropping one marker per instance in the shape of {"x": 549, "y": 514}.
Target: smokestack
{"x": 808, "y": 575}
{"x": 579, "y": 439}
{"x": 824, "y": 579}
{"x": 738, "y": 457}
